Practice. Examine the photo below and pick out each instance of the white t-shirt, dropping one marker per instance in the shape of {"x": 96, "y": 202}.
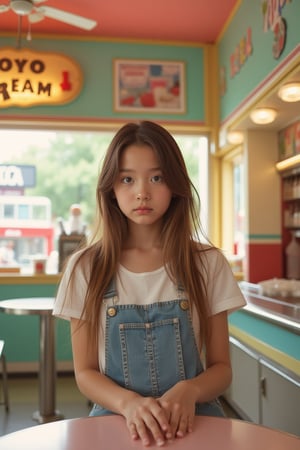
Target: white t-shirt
{"x": 147, "y": 288}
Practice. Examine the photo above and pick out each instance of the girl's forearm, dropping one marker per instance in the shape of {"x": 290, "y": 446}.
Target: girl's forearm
{"x": 100, "y": 389}
{"x": 211, "y": 383}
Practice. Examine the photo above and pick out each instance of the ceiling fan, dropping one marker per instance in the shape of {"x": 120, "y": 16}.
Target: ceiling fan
{"x": 36, "y": 13}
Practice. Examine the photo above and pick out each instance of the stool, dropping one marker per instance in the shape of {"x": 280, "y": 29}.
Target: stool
{"x": 4, "y": 377}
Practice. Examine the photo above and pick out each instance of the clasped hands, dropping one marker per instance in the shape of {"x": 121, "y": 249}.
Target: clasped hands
{"x": 163, "y": 419}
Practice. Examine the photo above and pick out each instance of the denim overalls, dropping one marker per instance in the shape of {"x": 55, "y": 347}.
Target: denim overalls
{"x": 150, "y": 348}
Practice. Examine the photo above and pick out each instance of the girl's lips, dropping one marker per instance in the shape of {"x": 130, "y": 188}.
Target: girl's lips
{"x": 143, "y": 210}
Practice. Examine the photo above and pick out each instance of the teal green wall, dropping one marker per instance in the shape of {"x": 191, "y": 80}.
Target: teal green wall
{"x": 96, "y": 60}
{"x": 261, "y": 63}
{"x": 26, "y": 290}
{"x": 21, "y": 333}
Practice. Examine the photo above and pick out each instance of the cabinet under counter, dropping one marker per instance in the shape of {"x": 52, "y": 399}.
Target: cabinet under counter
{"x": 265, "y": 354}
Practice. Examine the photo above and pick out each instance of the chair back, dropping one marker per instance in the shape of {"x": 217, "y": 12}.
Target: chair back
{"x": 1, "y": 347}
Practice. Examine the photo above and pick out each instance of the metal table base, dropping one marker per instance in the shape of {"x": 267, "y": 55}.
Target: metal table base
{"x": 47, "y": 370}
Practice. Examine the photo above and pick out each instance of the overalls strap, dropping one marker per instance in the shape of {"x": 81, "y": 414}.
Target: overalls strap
{"x": 111, "y": 290}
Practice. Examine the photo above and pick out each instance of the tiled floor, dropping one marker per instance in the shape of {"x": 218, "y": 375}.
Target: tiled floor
{"x": 23, "y": 397}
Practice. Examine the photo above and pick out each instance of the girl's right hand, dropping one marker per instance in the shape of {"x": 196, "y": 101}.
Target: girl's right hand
{"x": 145, "y": 418}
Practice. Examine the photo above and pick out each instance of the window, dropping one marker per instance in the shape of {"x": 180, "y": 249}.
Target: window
{"x": 238, "y": 207}
{"x": 233, "y": 213}
{"x": 23, "y": 212}
{"x": 195, "y": 153}
{"x": 67, "y": 164}
{"x": 39, "y": 212}
{"x": 8, "y": 211}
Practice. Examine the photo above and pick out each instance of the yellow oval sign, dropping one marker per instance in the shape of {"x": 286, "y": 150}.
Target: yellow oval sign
{"x": 30, "y": 78}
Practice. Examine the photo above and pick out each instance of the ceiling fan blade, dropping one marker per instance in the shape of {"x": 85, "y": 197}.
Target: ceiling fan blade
{"x": 63, "y": 16}
{"x": 4, "y": 8}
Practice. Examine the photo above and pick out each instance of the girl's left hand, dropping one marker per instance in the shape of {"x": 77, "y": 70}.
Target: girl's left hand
{"x": 179, "y": 406}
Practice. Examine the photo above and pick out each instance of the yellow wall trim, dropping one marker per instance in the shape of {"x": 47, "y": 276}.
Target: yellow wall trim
{"x": 228, "y": 21}
{"x": 30, "y": 279}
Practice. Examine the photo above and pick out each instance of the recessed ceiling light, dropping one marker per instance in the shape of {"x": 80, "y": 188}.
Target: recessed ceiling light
{"x": 235, "y": 137}
{"x": 290, "y": 92}
{"x": 263, "y": 116}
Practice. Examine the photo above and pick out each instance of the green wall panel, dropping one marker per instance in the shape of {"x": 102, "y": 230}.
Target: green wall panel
{"x": 22, "y": 333}
{"x": 26, "y": 290}
{"x": 96, "y": 60}
{"x": 261, "y": 62}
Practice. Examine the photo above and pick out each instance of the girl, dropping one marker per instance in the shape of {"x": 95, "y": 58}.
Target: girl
{"x": 147, "y": 299}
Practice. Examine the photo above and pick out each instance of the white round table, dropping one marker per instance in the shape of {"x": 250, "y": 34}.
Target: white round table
{"x": 43, "y": 307}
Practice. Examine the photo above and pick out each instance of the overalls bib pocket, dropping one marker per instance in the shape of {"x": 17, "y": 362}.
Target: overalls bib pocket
{"x": 152, "y": 356}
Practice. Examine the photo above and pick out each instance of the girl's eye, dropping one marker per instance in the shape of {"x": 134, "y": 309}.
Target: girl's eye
{"x": 126, "y": 180}
{"x": 157, "y": 179}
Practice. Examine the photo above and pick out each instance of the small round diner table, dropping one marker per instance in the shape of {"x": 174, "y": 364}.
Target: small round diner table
{"x": 111, "y": 433}
{"x": 43, "y": 307}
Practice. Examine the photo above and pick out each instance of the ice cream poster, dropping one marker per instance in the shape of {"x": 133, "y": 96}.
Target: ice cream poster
{"x": 149, "y": 86}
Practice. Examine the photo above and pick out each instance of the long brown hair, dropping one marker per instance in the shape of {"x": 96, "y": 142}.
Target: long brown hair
{"x": 184, "y": 255}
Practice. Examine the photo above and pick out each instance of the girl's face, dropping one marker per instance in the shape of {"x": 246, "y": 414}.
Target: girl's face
{"x": 140, "y": 189}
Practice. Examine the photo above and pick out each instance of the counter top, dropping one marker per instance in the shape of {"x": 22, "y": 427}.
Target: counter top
{"x": 14, "y": 278}
{"x": 284, "y": 312}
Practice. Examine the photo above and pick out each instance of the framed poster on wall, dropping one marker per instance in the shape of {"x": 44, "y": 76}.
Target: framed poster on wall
{"x": 149, "y": 86}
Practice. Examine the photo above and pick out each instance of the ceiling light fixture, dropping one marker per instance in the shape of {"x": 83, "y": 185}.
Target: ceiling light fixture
{"x": 288, "y": 163}
{"x": 290, "y": 92}
{"x": 235, "y": 137}
{"x": 263, "y": 116}
{"x": 21, "y": 7}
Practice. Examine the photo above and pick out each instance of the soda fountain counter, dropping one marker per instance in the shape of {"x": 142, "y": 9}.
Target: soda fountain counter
{"x": 282, "y": 309}
{"x": 265, "y": 355}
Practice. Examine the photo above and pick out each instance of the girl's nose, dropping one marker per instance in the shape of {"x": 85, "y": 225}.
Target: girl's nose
{"x": 142, "y": 190}
{"x": 145, "y": 196}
